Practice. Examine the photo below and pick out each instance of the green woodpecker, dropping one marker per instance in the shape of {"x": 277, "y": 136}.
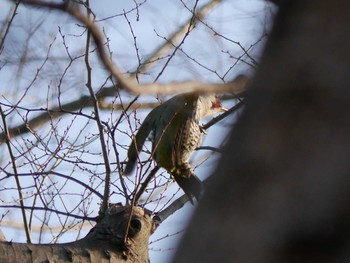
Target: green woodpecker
{"x": 176, "y": 133}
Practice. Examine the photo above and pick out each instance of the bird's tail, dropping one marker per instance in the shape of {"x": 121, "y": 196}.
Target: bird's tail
{"x": 130, "y": 165}
{"x": 191, "y": 185}
{"x": 137, "y": 143}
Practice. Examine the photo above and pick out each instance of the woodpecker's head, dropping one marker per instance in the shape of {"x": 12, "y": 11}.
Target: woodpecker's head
{"x": 209, "y": 104}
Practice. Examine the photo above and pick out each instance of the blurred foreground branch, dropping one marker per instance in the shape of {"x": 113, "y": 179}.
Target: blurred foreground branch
{"x": 281, "y": 190}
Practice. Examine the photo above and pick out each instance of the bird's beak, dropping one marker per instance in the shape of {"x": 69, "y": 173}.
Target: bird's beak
{"x": 223, "y": 109}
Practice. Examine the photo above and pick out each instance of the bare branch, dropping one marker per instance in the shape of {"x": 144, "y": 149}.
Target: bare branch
{"x": 160, "y": 51}
{"x": 237, "y": 86}
{"x": 6, "y": 28}
{"x": 161, "y": 216}
{"x": 60, "y": 175}
{"x": 14, "y": 167}
{"x": 46, "y": 116}
{"x": 129, "y": 83}
{"x": 50, "y": 210}
{"x": 145, "y": 183}
{"x": 68, "y": 108}
{"x": 105, "y": 200}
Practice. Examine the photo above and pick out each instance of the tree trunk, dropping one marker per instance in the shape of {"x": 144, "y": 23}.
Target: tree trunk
{"x": 281, "y": 191}
{"x": 104, "y": 243}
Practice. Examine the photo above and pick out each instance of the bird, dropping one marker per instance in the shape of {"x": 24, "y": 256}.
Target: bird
{"x": 175, "y": 133}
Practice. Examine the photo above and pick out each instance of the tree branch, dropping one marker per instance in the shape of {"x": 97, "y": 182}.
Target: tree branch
{"x": 50, "y": 210}
{"x": 105, "y": 200}
{"x": 145, "y": 183}
{"x": 57, "y": 174}
{"x": 161, "y": 216}
{"x": 14, "y": 167}
{"x": 6, "y": 28}
{"x": 238, "y": 85}
{"x": 129, "y": 83}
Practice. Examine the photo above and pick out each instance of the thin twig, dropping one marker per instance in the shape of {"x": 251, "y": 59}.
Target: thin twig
{"x": 188, "y": 29}
{"x": 105, "y": 200}
{"x": 129, "y": 83}
{"x": 121, "y": 178}
{"x": 14, "y": 167}
{"x": 57, "y": 174}
{"x": 145, "y": 183}
{"x": 180, "y": 32}
{"x": 51, "y": 210}
{"x": 69, "y": 108}
{"x": 237, "y": 86}
{"x": 6, "y": 28}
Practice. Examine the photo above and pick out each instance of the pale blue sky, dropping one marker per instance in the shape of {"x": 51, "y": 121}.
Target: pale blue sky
{"x": 34, "y": 30}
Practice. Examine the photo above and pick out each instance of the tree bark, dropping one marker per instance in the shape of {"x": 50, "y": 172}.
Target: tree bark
{"x": 104, "y": 243}
{"x": 281, "y": 191}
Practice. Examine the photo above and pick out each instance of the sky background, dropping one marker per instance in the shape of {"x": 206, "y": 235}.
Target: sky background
{"x": 35, "y": 70}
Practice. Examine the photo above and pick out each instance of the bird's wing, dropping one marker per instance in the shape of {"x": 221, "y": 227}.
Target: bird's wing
{"x": 175, "y": 113}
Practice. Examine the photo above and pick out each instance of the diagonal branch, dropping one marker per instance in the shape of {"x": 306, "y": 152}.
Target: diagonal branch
{"x": 84, "y": 101}
{"x": 238, "y": 86}
{"x": 145, "y": 183}
{"x": 176, "y": 36}
{"x": 56, "y": 112}
{"x": 129, "y": 83}
{"x": 6, "y": 28}
{"x": 161, "y": 216}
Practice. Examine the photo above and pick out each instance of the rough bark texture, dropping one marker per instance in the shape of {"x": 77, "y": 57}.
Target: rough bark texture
{"x": 104, "y": 243}
{"x": 281, "y": 192}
